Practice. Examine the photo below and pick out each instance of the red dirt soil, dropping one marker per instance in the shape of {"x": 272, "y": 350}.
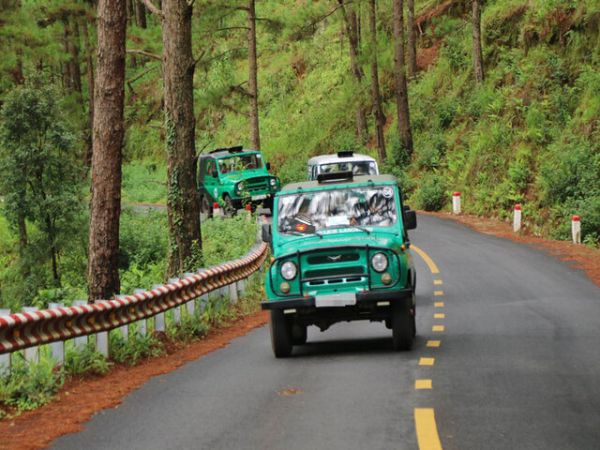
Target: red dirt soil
{"x": 79, "y": 399}
{"x": 579, "y": 256}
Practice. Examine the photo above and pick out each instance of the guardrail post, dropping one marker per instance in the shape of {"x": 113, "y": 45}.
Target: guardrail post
{"x": 124, "y": 328}
{"x": 81, "y": 341}
{"x": 5, "y": 358}
{"x": 517, "y": 218}
{"x": 191, "y": 305}
{"x": 176, "y": 310}
{"x": 32, "y": 354}
{"x": 456, "y": 203}
{"x": 143, "y": 328}
{"x": 233, "y": 294}
{"x": 203, "y": 302}
{"x": 159, "y": 319}
{"x": 576, "y": 229}
{"x": 57, "y": 349}
{"x": 102, "y": 339}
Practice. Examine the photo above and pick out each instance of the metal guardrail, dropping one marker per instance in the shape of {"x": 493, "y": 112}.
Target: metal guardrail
{"x": 28, "y": 329}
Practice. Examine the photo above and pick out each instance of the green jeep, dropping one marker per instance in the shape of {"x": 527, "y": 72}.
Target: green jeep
{"x": 234, "y": 177}
{"x": 340, "y": 253}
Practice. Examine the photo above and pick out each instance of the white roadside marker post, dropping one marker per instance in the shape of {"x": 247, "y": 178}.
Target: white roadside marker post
{"x": 32, "y": 354}
{"x": 57, "y": 349}
{"x": 248, "y": 209}
{"x": 5, "y": 358}
{"x": 456, "y": 203}
{"x": 576, "y": 229}
{"x": 517, "y": 218}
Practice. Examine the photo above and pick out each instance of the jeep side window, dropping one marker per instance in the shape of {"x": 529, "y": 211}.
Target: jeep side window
{"x": 210, "y": 167}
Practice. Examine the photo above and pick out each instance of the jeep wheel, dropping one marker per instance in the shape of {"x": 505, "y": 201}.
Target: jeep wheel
{"x": 403, "y": 328}
{"x": 229, "y": 209}
{"x": 206, "y": 207}
{"x": 299, "y": 334}
{"x": 281, "y": 334}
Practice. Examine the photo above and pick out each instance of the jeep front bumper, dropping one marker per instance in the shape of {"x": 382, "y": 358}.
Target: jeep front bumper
{"x": 364, "y": 298}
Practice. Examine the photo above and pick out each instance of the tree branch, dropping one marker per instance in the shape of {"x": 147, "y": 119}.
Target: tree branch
{"x": 134, "y": 51}
{"x": 152, "y": 7}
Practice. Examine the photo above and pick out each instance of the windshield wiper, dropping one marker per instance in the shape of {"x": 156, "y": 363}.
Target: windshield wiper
{"x": 359, "y": 227}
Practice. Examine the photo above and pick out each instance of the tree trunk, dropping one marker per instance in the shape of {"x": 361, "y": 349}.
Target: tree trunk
{"x": 412, "y": 40}
{"x": 22, "y": 232}
{"x": 90, "y": 80}
{"x": 477, "y": 54}
{"x": 400, "y": 78}
{"x": 252, "y": 75}
{"x": 352, "y": 33}
{"x": 182, "y": 198}
{"x": 140, "y": 14}
{"x": 71, "y": 36}
{"x": 377, "y": 109}
{"x": 105, "y": 208}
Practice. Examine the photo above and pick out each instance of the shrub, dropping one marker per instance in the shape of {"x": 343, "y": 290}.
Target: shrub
{"x": 85, "y": 361}
{"x": 431, "y": 192}
{"x": 29, "y": 385}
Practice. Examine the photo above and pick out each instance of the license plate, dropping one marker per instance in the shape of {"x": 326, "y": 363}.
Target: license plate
{"x": 325, "y": 301}
{"x": 259, "y": 197}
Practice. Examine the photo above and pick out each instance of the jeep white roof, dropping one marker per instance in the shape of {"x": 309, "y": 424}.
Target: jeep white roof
{"x": 332, "y": 159}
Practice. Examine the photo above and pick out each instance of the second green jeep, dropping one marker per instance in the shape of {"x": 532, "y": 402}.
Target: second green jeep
{"x": 340, "y": 253}
{"x": 234, "y": 177}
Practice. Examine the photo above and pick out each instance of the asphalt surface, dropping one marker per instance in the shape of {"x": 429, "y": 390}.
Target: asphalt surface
{"x": 518, "y": 367}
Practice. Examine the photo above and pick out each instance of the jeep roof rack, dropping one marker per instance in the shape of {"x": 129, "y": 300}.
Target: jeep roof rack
{"x": 334, "y": 176}
{"x": 235, "y": 149}
{"x": 345, "y": 154}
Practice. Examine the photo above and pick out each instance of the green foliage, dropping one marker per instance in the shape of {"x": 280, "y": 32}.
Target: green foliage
{"x": 144, "y": 182}
{"x": 224, "y": 240}
{"x": 28, "y": 386}
{"x": 135, "y": 348}
{"x": 85, "y": 361}
{"x": 431, "y": 194}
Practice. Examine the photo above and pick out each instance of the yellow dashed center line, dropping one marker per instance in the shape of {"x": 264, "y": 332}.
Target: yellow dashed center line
{"x": 422, "y": 384}
{"x": 438, "y": 282}
{"x": 433, "y": 344}
{"x": 437, "y": 328}
{"x": 427, "y": 435}
{"x": 439, "y": 304}
{"x": 438, "y": 293}
{"x": 432, "y": 266}
{"x": 439, "y": 316}
{"x": 426, "y": 361}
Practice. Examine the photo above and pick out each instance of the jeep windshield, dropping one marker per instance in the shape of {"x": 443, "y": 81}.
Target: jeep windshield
{"x": 238, "y": 163}
{"x": 354, "y": 207}
{"x": 356, "y": 167}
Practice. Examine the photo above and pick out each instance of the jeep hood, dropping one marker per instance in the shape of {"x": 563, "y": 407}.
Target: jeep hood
{"x": 340, "y": 238}
{"x": 246, "y": 174}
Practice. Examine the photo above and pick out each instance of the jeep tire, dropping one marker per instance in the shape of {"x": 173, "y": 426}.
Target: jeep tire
{"x": 299, "y": 334}
{"x": 403, "y": 327}
{"x": 281, "y": 334}
{"x": 206, "y": 207}
{"x": 229, "y": 208}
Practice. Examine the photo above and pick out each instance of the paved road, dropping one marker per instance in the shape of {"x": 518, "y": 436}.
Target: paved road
{"x": 517, "y": 367}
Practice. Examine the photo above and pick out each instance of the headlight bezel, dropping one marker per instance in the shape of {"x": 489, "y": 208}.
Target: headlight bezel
{"x": 380, "y": 262}
{"x": 288, "y": 276}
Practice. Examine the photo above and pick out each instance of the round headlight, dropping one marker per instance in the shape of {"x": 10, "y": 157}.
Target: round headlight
{"x": 288, "y": 270}
{"x": 273, "y": 182}
{"x": 240, "y": 186}
{"x": 379, "y": 262}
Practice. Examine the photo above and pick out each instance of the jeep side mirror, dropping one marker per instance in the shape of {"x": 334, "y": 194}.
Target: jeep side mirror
{"x": 268, "y": 166}
{"x": 410, "y": 218}
{"x": 266, "y": 233}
